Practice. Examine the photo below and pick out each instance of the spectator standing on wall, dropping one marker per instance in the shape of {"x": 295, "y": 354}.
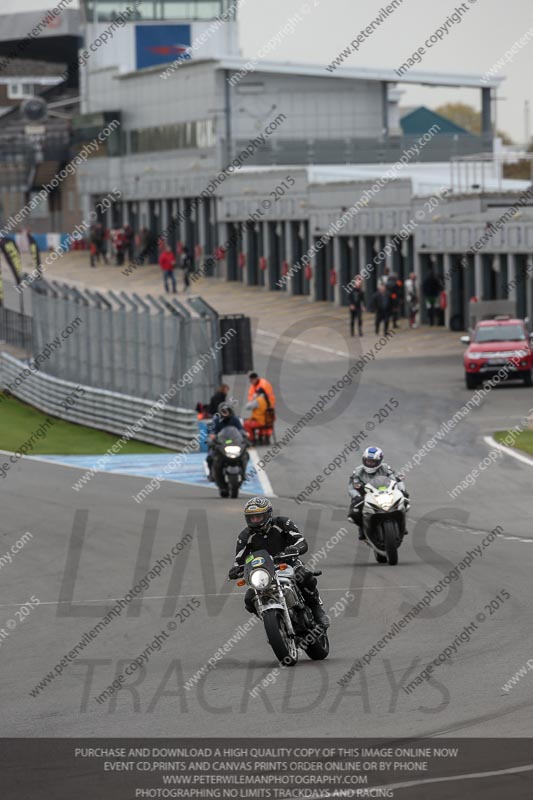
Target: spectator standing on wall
{"x": 167, "y": 262}
{"x": 431, "y": 288}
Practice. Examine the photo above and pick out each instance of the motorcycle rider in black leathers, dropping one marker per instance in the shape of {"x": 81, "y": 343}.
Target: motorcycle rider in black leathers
{"x": 372, "y": 465}
{"x": 224, "y": 418}
{"x": 276, "y": 535}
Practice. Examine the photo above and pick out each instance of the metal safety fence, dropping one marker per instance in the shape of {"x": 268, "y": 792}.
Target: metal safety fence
{"x": 16, "y": 329}
{"x": 127, "y": 344}
{"x": 166, "y": 426}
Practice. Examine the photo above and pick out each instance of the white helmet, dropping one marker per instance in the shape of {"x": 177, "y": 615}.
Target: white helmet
{"x": 372, "y": 459}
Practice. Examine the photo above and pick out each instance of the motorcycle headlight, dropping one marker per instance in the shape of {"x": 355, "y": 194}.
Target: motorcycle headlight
{"x": 386, "y": 504}
{"x": 260, "y": 579}
{"x": 232, "y": 450}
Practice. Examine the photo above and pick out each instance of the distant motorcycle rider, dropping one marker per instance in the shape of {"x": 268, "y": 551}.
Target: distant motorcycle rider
{"x": 372, "y": 465}
{"x": 276, "y": 535}
{"x": 224, "y": 418}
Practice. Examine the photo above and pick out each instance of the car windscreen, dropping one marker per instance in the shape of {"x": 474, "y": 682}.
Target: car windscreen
{"x": 500, "y": 333}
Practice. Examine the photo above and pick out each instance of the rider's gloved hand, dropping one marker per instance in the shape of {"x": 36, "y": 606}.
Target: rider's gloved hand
{"x": 233, "y": 573}
{"x": 291, "y": 551}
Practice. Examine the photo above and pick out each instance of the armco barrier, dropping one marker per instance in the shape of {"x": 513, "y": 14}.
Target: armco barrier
{"x": 170, "y": 427}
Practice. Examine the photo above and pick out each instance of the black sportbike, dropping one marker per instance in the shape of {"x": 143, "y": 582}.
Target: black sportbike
{"x": 230, "y": 459}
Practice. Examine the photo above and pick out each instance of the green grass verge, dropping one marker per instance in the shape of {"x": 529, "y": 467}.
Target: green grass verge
{"x": 19, "y": 421}
{"x": 523, "y": 441}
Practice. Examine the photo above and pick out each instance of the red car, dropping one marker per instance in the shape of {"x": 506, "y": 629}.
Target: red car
{"x": 496, "y": 343}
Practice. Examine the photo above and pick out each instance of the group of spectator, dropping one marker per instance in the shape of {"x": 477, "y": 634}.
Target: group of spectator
{"x": 260, "y": 405}
{"x": 120, "y": 244}
{"x": 388, "y": 300}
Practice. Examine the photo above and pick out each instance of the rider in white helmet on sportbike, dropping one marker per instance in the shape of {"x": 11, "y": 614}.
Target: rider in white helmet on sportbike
{"x": 372, "y": 465}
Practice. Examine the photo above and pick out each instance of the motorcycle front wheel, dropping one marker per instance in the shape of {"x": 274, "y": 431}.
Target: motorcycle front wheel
{"x": 233, "y": 481}
{"x": 319, "y": 649}
{"x": 279, "y": 640}
{"x": 390, "y": 538}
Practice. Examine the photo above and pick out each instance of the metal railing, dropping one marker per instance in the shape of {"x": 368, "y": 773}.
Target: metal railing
{"x": 16, "y": 329}
{"x": 442, "y": 147}
{"x": 138, "y": 346}
{"x": 168, "y": 426}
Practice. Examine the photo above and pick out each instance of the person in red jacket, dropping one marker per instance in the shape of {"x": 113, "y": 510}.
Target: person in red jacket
{"x": 167, "y": 262}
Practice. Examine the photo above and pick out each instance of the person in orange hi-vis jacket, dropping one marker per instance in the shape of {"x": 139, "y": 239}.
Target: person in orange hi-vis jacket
{"x": 257, "y": 383}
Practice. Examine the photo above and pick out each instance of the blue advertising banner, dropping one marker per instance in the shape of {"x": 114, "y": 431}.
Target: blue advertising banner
{"x": 161, "y": 44}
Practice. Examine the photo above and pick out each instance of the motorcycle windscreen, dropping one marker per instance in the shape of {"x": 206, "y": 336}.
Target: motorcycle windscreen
{"x": 380, "y": 482}
{"x": 262, "y": 559}
{"x": 230, "y": 436}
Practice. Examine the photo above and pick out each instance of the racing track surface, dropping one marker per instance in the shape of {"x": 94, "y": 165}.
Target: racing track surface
{"x": 465, "y": 696}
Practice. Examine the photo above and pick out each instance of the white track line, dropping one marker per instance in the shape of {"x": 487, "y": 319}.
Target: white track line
{"x": 508, "y": 450}
{"x": 212, "y": 594}
{"x": 447, "y": 779}
{"x": 305, "y": 344}
{"x": 261, "y": 475}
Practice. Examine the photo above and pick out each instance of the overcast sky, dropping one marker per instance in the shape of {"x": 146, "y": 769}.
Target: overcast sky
{"x": 486, "y": 32}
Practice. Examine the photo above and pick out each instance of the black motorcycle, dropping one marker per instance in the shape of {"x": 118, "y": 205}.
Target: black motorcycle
{"x": 230, "y": 459}
{"x": 288, "y": 620}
